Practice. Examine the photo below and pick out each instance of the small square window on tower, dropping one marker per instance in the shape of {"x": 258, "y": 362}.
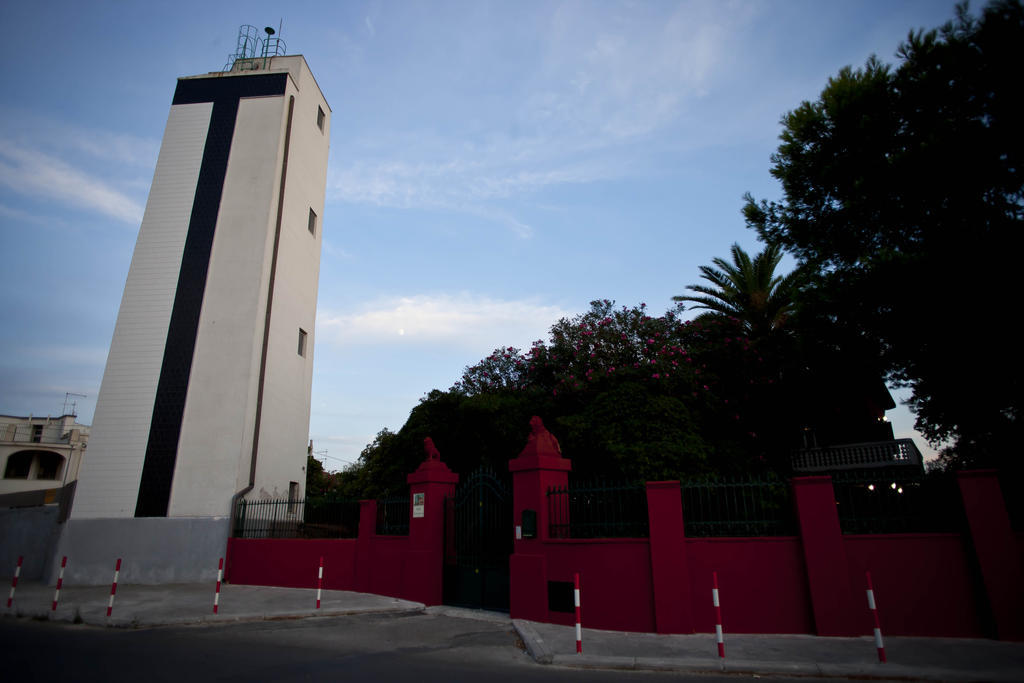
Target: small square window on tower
{"x": 302, "y": 342}
{"x": 312, "y": 222}
{"x": 320, "y": 116}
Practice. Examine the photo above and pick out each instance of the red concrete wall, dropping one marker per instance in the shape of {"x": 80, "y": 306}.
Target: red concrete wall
{"x": 388, "y": 566}
{"x": 994, "y": 544}
{"x": 922, "y": 582}
{"x": 960, "y": 585}
{"x": 615, "y": 582}
{"x": 762, "y": 585}
{"x": 291, "y": 563}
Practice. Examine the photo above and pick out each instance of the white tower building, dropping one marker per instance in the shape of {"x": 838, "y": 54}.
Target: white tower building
{"x": 206, "y": 392}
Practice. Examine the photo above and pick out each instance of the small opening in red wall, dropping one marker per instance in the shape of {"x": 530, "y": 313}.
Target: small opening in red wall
{"x": 560, "y": 597}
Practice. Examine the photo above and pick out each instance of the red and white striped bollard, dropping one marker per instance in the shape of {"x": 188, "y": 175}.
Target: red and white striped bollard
{"x": 60, "y": 582}
{"x": 14, "y": 581}
{"x": 113, "y": 588}
{"x": 216, "y": 593}
{"x": 319, "y": 581}
{"x": 718, "y": 616}
{"x": 576, "y": 599}
{"x": 874, "y": 613}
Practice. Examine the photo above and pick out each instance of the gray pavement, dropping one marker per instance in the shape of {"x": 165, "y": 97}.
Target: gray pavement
{"x": 143, "y": 606}
{"x": 137, "y": 605}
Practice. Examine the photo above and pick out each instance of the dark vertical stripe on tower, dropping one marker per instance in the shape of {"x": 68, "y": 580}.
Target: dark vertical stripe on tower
{"x": 172, "y": 387}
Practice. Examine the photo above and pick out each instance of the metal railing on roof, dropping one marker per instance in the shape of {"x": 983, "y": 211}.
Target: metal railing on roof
{"x": 858, "y": 456}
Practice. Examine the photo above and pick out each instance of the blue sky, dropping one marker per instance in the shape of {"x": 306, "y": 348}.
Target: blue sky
{"x": 494, "y": 166}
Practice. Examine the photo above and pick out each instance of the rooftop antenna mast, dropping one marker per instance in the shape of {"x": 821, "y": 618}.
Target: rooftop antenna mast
{"x": 74, "y": 404}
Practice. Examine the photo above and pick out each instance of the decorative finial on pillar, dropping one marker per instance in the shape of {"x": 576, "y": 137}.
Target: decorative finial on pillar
{"x": 431, "y": 449}
{"x": 541, "y": 441}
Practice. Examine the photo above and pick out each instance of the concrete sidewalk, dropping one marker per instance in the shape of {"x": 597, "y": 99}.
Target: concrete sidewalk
{"x": 944, "y": 659}
{"x": 138, "y": 605}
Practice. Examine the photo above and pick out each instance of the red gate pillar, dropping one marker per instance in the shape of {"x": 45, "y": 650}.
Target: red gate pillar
{"x": 828, "y": 572}
{"x": 996, "y": 548}
{"x": 539, "y": 467}
{"x": 423, "y": 576}
{"x": 670, "y": 574}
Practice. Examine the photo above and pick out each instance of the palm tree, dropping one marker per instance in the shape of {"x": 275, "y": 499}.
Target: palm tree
{"x": 746, "y": 289}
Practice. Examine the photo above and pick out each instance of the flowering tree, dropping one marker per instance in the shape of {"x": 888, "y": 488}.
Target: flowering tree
{"x": 634, "y": 393}
{"x": 505, "y": 369}
{"x": 627, "y": 393}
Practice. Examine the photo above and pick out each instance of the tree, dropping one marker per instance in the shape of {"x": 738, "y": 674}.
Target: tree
{"x": 628, "y": 394}
{"x": 902, "y": 187}
{"x": 748, "y": 290}
{"x": 317, "y": 481}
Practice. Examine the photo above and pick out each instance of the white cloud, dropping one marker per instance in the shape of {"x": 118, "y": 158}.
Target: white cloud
{"x": 30, "y": 217}
{"x": 337, "y": 252}
{"x": 600, "y": 81}
{"x": 32, "y": 172}
{"x": 118, "y": 147}
{"x": 462, "y": 320}
{"x": 33, "y": 129}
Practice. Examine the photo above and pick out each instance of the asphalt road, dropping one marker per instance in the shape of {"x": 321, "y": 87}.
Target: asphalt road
{"x": 406, "y": 647}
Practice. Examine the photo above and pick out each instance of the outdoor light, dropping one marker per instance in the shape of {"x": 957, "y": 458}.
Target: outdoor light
{"x": 899, "y": 490}
{"x": 893, "y": 485}
{"x": 871, "y": 487}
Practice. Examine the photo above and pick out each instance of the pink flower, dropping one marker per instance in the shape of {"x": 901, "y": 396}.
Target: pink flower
{"x": 656, "y": 376}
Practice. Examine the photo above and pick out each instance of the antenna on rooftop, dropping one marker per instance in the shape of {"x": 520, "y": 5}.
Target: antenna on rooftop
{"x": 74, "y": 404}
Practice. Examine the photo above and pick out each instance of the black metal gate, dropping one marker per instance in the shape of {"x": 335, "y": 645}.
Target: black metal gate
{"x": 478, "y": 542}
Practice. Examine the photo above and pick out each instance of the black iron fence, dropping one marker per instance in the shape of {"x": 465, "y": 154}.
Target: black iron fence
{"x": 875, "y": 502}
{"x": 881, "y": 503}
{"x": 598, "y": 510}
{"x": 393, "y": 516}
{"x": 738, "y": 507}
{"x": 310, "y": 518}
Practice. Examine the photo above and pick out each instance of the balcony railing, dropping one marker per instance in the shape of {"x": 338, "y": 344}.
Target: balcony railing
{"x": 14, "y": 432}
{"x": 858, "y": 456}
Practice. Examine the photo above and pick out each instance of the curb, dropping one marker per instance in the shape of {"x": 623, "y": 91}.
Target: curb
{"x": 535, "y": 645}
{"x": 541, "y": 653}
{"x": 211, "y": 619}
{"x": 466, "y": 613}
{"x": 888, "y": 672}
